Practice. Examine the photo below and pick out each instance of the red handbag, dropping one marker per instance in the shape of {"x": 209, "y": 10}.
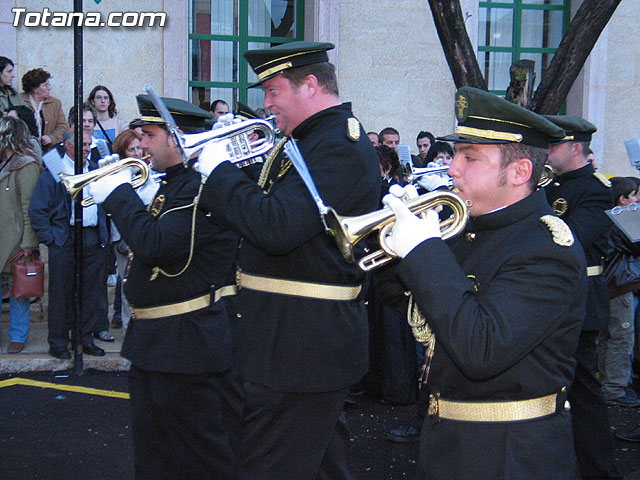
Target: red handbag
{"x": 27, "y": 274}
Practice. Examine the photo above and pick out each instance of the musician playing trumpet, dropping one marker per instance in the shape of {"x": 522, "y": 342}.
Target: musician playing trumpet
{"x": 500, "y": 306}
{"x": 178, "y": 339}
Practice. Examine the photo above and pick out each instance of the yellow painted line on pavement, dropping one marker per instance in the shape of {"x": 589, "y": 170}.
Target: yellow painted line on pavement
{"x": 57, "y": 386}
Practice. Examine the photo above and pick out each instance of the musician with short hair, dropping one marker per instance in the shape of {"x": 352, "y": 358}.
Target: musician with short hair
{"x": 178, "y": 338}
{"x": 499, "y": 307}
{"x": 302, "y": 318}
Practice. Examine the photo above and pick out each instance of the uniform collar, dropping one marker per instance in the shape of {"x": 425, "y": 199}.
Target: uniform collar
{"x": 304, "y": 128}
{"x": 511, "y": 214}
{"x": 577, "y": 173}
{"x": 175, "y": 170}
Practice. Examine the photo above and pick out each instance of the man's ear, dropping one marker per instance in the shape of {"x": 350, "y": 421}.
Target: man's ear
{"x": 522, "y": 171}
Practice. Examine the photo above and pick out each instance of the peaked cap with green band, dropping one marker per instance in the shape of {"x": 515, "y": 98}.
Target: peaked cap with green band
{"x": 269, "y": 62}
{"x": 486, "y": 118}
{"x": 577, "y": 129}
{"x": 184, "y": 113}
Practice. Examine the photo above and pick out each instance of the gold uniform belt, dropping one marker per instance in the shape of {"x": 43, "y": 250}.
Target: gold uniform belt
{"x": 180, "y": 308}
{"x": 298, "y": 289}
{"x": 492, "y": 411}
{"x": 594, "y": 271}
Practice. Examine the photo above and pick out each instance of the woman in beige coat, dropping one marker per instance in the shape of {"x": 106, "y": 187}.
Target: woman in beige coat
{"x": 48, "y": 110}
{"x": 19, "y": 172}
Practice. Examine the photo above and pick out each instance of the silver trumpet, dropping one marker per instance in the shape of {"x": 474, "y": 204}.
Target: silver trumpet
{"x": 244, "y": 140}
{"x": 419, "y": 172}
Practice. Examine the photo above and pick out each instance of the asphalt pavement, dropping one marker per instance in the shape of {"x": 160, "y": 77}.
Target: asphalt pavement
{"x": 55, "y": 425}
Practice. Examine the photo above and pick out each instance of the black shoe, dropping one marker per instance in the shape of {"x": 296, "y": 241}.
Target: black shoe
{"x": 406, "y": 434}
{"x": 625, "y": 400}
{"x": 350, "y": 400}
{"x": 93, "y": 349}
{"x": 61, "y": 353}
{"x": 104, "y": 336}
{"x": 116, "y": 322}
{"x": 632, "y": 436}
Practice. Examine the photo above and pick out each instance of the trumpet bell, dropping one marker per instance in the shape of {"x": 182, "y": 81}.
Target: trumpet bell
{"x": 244, "y": 140}
{"x": 348, "y": 231}
{"x": 75, "y": 183}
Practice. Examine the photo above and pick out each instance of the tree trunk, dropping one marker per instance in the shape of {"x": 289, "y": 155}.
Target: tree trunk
{"x": 520, "y": 88}
{"x": 457, "y": 47}
{"x": 576, "y": 45}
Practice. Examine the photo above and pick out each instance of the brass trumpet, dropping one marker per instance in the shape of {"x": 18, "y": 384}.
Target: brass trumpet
{"x": 348, "y": 231}
{"x": 75, "y": 183}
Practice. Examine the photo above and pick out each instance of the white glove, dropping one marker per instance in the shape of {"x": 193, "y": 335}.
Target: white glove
{"x": 108, "y": 159}
{"x": 148, "y": 191}
{"x": 102, "y": 188}
{"x": 433, "y": 182}
{"x": 225, "y": 120}
{"x": 408, "y": 230}
{"x": 403, "y": 193}
{"x": 212, "y": 155}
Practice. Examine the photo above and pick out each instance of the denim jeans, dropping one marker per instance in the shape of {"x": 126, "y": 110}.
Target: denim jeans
{"x": 19, "y": 309}
{"x": 615, "y": 346}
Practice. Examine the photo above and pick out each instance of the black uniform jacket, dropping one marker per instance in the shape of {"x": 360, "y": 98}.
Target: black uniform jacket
{"x": 288, "y": 343}
{"x": 580, "y": 199}
{"x": 195, "y": 342}
{"x": 506, "y": 303}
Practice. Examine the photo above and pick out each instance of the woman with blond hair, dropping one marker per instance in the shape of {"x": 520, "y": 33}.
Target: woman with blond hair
{"x": 19, "y": 172}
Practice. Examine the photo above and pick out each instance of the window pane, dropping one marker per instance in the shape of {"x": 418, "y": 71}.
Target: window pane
{"x": 496, "y": 27}
{"x": 543, "y": 2}
{"x": 272, "y": 18}
{"x": 495, "y": 68}
{"x": 203, "y": 96}
{"x": 541, "y": 28}
{"x": 214, "y": 61}
{"x": 215, "y": 17}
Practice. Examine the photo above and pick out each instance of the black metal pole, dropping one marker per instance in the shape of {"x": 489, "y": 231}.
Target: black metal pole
{"x": 76, "y": 337}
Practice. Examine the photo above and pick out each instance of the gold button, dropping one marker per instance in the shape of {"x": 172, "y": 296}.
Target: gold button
{"x": 470, "y": 237}
{"x": 556, "y": 184}
{"x": 239, "y": 315}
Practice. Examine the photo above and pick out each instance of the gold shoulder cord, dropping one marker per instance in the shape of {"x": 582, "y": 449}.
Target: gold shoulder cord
{"x": 423, "y": 334}
{"x": 264, "y": 173}
{"x": 196, "y": 200}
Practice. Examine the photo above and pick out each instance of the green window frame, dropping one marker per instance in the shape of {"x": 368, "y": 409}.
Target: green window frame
{"x": 236, "y": 42}
{"x": 516, "y": 47}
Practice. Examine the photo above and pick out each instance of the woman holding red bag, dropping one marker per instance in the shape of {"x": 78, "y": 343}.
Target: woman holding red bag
{"x": 19, "y": 172}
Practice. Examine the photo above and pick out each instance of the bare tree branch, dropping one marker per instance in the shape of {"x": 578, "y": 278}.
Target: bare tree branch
{"x": 576, "y": 45}
{"x": 457, "y": 47}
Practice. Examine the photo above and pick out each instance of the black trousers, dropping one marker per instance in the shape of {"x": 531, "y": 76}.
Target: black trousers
{"x": 179, "y": 428}
{"x": 301, "y": 436}
{"x": 591, "y": 434}
{"x": 94, "y": 289}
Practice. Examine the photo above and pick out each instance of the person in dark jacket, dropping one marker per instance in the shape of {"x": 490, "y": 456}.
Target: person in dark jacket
{"x": 615, "y": 344}
{"x": 51, "y": 210}
{"x": 500, "y": 306}
{"x": 178, "y": 339}
{"x": 580, "y": 195}
{"x": 302, "y": 318}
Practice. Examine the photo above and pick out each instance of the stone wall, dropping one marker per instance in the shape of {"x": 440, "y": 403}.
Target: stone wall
{"x": 622, "y": 103}
{"x": 391, "y": 66}
{"x": 123, "y": 59}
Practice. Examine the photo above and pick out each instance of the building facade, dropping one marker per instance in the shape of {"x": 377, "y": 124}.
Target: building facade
{"x": 388, "y": 56}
